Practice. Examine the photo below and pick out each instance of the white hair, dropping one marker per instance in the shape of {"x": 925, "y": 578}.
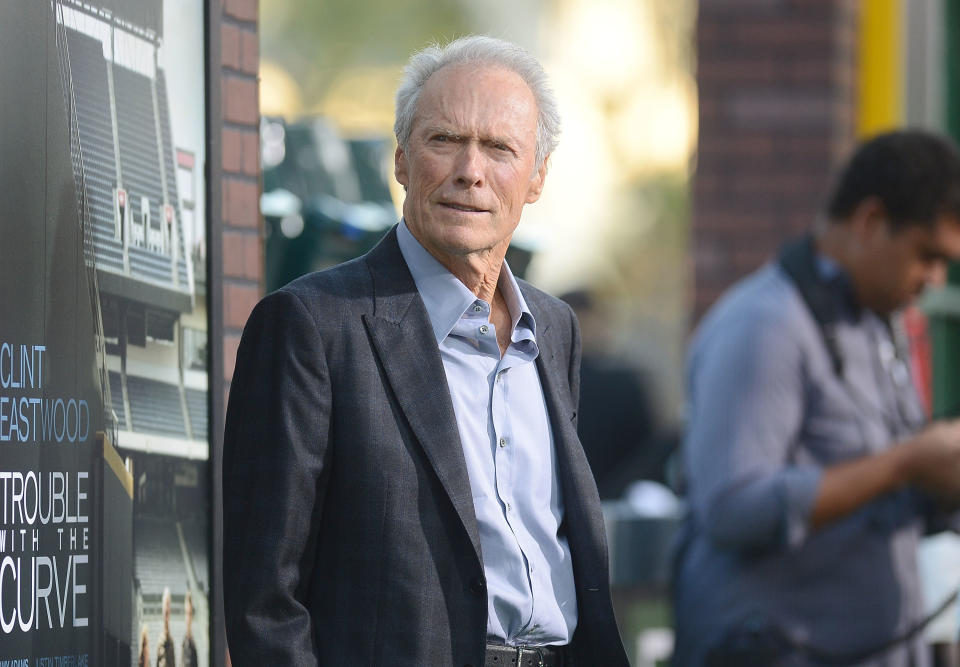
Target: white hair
{"x": 479, "y": 50}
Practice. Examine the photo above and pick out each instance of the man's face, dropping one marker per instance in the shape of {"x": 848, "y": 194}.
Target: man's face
{"x": 898, "y": 265}
{"x": 468, "y": 167}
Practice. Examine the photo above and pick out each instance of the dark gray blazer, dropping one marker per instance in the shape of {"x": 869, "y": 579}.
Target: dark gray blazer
{"x": 349, "y": 531}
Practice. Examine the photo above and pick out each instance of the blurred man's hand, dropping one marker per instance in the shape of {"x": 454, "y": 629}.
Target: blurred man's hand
{"x": 932, "y": 460}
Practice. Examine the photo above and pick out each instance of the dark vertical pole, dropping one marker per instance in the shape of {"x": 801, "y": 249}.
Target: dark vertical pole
{"x": 215, "y": 392}
{"x": 945, "y": 326}
{"x": 952, "y": 67}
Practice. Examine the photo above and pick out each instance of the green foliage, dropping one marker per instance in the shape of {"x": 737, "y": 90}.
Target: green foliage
{"x": 315, "y": 39}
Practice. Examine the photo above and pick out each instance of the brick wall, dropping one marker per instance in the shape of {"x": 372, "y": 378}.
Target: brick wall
{"x": 777, "y": 91}
{"x": 242, "y": 248}
{"x": 236, "y": 246}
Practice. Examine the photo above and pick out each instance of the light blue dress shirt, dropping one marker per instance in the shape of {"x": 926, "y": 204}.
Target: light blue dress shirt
{"x": 508, "y": 446}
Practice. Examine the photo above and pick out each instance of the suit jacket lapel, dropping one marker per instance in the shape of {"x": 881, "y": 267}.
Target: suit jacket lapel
{"x": 402, "y": 339}
{"x": 584, "y": 518}
{"x": 401, "y": 333}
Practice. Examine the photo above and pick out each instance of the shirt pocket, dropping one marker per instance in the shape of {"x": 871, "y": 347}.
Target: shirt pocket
{"x": 834, "y": 431}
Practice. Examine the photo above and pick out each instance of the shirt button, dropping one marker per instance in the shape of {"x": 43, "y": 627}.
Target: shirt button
{"x": 509, "y": 507}
{"x": 503, "y": 442}
{"x": 477, "y": 586}
{"x": 477, "y": 308}
{"x": 484, "y": 329}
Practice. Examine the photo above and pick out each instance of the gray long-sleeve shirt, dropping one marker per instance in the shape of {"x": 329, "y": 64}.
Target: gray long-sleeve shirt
{"x": 767, "y": 415}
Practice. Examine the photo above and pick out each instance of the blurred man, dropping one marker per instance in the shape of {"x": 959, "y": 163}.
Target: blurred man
{"x": 403, "y": 484}
{"x": 616, "y": 422}
{"x": 811, "y": 474}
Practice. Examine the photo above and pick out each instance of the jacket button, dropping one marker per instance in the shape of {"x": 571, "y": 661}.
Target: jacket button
{"x": 477, "y": 587}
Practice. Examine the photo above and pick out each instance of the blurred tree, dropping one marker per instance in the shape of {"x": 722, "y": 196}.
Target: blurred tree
{"x": 315, "y": 40}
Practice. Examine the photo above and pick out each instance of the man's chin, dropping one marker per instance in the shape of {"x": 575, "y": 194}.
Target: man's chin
{"x": 462, "y": 222}
{"x": 463, "y": 238}
{"x": 470, "y": 246}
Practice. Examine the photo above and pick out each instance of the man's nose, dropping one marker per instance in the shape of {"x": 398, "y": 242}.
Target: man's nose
{"x": 937, "y": 274}
{"x": 468, "y": 169}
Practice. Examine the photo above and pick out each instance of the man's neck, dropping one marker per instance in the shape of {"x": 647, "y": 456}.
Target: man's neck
{"x": 480, "y": 274}
{"x": 832, "y": 242}
{"x": 479, "y": 271}
{"x": 835, "y": 242}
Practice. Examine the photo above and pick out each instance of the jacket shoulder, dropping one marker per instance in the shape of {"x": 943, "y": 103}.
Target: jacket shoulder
{"x": 763, "y": 311}
{"x": 343, "y": 280}
{"x": 543, "y": 303}
{"x": 351, "y": 285}
{"x": 766, "y": 299}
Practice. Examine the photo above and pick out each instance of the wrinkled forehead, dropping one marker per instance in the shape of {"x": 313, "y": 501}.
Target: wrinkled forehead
{"x": 456, "y": 75}
{"x": 486, "y": 87}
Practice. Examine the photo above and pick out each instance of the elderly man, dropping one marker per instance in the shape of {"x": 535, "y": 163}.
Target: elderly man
{"x": 403, "y": 484}
{"x": 812, "y": 475}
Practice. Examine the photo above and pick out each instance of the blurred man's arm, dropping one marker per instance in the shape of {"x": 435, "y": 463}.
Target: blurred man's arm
{"x": 746, "y": 395}
{"x": 929, "y": 461}
{"x": 748, "y": 398}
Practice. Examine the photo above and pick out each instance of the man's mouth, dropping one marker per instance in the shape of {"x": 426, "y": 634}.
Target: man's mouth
{"x": 463, "y": 207}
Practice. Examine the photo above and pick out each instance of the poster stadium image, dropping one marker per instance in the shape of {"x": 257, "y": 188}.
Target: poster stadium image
{"x": 103, "y": 292}
{"x": 141, "y": 140}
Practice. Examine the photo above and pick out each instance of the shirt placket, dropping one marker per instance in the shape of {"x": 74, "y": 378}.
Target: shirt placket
{"x": 474, "y": 324}
{"x": 887, "y": 366}
{"x": 505, "y": 462}
{"x": 503, "y": 451}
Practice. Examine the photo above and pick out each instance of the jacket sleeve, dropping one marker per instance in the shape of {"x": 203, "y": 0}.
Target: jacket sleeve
{"x": 274, "y": 456}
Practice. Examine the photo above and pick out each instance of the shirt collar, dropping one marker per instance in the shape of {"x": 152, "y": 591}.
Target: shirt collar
{"x": 837, "y": 277}
{"x": 446, "y": 298}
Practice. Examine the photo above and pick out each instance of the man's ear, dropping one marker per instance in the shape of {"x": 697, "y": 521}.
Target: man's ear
{"x": 400, "y": 167}
{"x": 869, "y": 219}
{"x": 536, "y": 182}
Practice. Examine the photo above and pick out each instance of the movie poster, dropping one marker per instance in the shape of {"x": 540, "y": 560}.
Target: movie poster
{"x": 104, "y": 497}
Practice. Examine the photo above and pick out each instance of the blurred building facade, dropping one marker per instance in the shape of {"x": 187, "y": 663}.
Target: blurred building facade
{"x": 777, "y": 85}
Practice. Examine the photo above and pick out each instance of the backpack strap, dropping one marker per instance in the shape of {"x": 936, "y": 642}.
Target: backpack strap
{"x": 798, "y": 260}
